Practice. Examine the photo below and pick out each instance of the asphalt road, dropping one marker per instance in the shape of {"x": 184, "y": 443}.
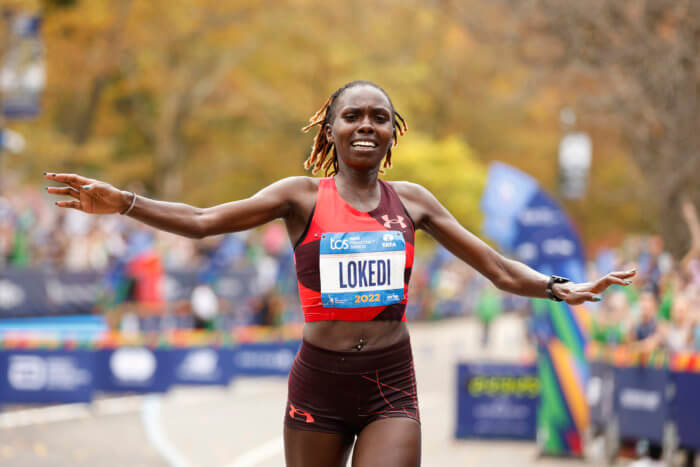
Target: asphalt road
{"x": 241, "y": 426}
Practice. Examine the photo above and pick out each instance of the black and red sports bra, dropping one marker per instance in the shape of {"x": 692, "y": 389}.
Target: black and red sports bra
{"x": 353, "y": 265}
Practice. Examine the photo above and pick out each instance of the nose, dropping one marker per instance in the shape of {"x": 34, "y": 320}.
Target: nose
{"x": 366, "y": 125}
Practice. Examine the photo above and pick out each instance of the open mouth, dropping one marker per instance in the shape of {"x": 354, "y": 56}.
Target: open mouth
{"x": 363, "y": 144}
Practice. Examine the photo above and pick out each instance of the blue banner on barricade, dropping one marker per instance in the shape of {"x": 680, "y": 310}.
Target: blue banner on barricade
{"x": 641, "y": 402}
{"x": 264, "y": 359}
{"x": 497, "y": 401}
{"x": 46, "y": 376}
{"x": 134, "y": 369}
{"x": 600, "y": 394}
{"x": 203, "y": 365}
{"x": 35, "y": 292}
{"x": 685, "y": 411}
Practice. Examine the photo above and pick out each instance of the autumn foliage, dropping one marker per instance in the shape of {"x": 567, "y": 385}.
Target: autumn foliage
{"x": 202, "y": 101}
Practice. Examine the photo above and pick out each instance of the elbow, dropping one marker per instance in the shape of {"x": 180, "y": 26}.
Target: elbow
{"x": 503, "y": 282}
{"x": 198, "y": 226}
{"x": 194, "y": 235}
{"x": 500, "y": 275}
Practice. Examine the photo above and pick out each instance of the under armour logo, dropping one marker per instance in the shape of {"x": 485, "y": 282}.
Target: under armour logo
{"x": 294, "y": 411}
{"x": 399, "y": 220}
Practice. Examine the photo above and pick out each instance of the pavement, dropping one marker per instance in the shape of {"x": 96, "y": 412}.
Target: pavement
{"x": 241, "y": 425}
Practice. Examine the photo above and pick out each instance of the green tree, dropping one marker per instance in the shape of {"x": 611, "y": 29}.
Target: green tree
{"x": 448, "y": 168}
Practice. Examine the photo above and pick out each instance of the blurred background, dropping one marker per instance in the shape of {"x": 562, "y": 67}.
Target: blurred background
{"x": 593, "y": 105}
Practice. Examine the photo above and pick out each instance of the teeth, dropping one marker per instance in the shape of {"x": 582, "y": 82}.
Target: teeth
{"x": 367, "y": 144}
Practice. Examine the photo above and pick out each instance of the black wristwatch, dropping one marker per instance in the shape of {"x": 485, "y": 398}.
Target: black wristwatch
{"x": 555, "y": 280}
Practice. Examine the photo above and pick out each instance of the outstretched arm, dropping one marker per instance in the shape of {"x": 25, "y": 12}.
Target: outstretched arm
{"x": 96, "y": 197}
{"x": 508, "y": 275}
{"x": 691, "y": 219}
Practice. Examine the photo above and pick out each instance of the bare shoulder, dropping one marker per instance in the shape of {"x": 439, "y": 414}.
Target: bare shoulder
{"x": 293, "y": 188}
{"x": 418, "y": 201}
{"x": 412, "y": 192}
{"x": 298, "y": 183}
{"x": 298, "y": 192}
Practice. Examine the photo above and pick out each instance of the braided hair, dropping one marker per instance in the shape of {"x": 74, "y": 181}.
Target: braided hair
{"x": 318, "y": 159}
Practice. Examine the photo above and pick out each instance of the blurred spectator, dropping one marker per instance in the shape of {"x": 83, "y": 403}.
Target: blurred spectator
{"x": 695, "y": 335}
{"x": 645, "y": 334}
{"x": 489, "y": 306}
{"x": 609, "y": 322}
{"x": 678, "y": 335}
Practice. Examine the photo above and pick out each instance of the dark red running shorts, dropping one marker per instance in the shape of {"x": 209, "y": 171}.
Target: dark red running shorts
{"x": 342, "y": 392}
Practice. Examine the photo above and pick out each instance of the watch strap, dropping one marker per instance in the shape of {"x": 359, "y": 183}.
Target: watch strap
{"x": 555, "y": 280}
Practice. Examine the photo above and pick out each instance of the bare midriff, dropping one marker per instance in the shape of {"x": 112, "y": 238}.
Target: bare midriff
{"x": 355, "y": 335}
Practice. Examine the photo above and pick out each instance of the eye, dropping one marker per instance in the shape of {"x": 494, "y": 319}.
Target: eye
{"x": 350, "y": 117}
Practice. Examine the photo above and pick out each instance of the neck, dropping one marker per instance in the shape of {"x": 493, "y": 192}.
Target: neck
{"x": 357, "y": 179}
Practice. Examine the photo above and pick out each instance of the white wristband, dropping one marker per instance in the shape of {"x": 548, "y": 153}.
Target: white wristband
{"x": 131, "y": 206}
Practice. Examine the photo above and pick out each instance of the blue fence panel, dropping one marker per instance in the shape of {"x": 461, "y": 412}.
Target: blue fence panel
{"x": 46, "y": 376}
{"x": 686, "y": 408}
{"x": 264, "y": 359}
{"x": 203, "y": 365}
{"x": 497, "y": 401}
{"x": 134, "y": 369}
{"x": 641, "y": 402}
{"x": 35, "y": 292}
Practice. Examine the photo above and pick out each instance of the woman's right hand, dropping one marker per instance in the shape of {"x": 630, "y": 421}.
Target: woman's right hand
{"x": 90, "y": 196}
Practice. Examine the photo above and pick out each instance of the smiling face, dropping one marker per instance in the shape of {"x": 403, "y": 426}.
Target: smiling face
{"x": 361, "y": 128}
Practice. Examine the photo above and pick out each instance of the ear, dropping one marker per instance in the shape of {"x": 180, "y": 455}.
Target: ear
{"x": 328, "y": 130}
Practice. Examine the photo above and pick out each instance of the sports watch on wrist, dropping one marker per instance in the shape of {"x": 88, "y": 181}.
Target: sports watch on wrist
{"x": 555, "y": 280}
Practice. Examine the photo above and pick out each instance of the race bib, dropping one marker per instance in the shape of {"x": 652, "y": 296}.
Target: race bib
{"x": 360, "y": 269}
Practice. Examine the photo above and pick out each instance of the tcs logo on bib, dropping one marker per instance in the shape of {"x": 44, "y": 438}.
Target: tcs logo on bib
{"x": 337, "y": 244}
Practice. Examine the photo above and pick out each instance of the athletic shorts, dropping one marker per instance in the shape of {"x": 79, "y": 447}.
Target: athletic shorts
{"x": 342, "y": 392}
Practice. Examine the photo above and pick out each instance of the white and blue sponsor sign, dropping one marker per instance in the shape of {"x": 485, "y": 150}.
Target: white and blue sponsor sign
{"x": 46, "y": 376}
{"x": 642, "y": 402}
{"x": 496, "y": 401}
{"x": 360, "y": 269}
{"x": 203, "y": 365}
{"x": 134, "y": 369}
{"x": 264, "y": 359}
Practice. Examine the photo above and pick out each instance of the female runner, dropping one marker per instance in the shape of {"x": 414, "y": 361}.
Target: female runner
{"x": 353, "y": 238}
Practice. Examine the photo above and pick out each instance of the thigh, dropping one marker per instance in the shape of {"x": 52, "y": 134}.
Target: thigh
{"x": 388, "y": 442}
{"x": 305, "y": 448}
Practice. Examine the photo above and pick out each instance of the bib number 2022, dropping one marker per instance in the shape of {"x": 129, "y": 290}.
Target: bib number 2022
{"x": 367, "y": 298}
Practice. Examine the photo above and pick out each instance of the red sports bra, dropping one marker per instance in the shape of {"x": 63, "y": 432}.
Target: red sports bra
{"x": 353, "y": 265}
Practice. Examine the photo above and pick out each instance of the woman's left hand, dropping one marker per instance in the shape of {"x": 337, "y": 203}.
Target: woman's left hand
{"x": 575, "y": 294}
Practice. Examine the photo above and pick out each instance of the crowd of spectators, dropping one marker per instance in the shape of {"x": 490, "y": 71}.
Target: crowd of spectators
{"x": 660, "y": 309}
{"x": 34, "y": 233}
{"x": 658, "y": 315}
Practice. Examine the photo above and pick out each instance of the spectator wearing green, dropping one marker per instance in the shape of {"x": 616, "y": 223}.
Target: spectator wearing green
{"x": 488, "y": 307}
{"x": 607, "y": 326}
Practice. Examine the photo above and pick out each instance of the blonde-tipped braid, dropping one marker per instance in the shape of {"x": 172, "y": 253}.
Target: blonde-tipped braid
{"x": 318, "y": 158}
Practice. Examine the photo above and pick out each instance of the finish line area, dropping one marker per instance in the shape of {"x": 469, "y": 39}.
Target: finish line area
{"x": 241, "y": 425}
